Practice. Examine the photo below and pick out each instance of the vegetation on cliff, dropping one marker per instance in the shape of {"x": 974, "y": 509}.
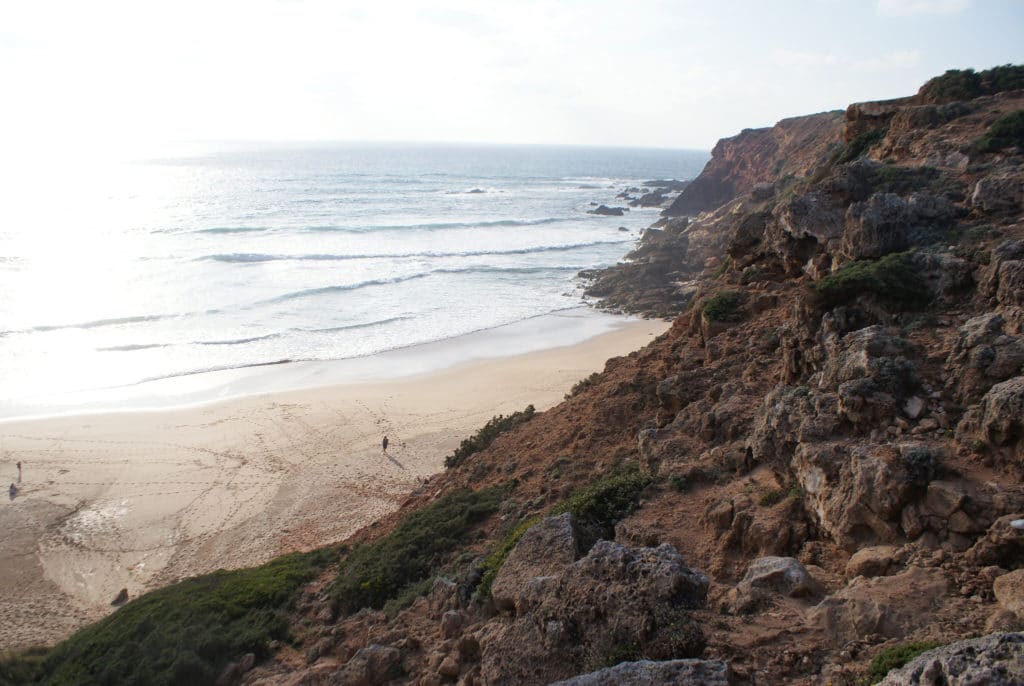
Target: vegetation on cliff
{"x": 485, "y": 436}
{"x": 185, "y": 633}
{"x": 967, "y": 84}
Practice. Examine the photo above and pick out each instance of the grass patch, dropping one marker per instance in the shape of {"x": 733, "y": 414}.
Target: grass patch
{"x": 185, "y": 633}
{"x": 726, "y": 306}
{"x": 486, "y": 435}
{"x": 1005, "y": 132}
{"x": 892, "y": 279}
{"x": 895, "y": 657}
{"x": 374, "y": 573}
{"x": 859, "y": 146}
{"x": 772, "y": 497}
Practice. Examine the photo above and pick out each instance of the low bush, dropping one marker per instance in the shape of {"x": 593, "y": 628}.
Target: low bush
{"x": 1005, "y": 132}
{"x": 582, "y": 385}
{"x": 185, "y": 633}
{"x": 895, "y": 657}
{"x": 772, "y": 497}
{"x": 859, "y": 145}
{"x": 486, "y": 435}
{"x": 966, "y": 84}
{"x": 374, "y": 573}
{"x": 892, "y": 279}
{"x": 726, "y": 306}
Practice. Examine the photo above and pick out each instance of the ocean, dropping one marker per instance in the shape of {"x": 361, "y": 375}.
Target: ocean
{"x": 116, "y": 274}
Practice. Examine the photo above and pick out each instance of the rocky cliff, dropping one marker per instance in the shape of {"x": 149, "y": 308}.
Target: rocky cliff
{"x": 813, "y": 477}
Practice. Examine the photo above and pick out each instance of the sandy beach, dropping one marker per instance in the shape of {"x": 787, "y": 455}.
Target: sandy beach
{"x": 143, "y": 498}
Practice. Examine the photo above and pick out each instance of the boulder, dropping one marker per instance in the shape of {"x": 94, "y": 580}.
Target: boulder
{"x": 889, "y": 606}
{"x": 1003, "y": 280}
{"x": 998, "y": 194}
{"x": 982, "y": 356}
{"x": 993, "y": 660}
{"x": 1002, "y": 545}
{"x": 1002, "y": 412}
{"x": 771, "y": 575}
{"x": 370, "y": 666}
{"x": 615, "y": 595}
{"x": 1009, "y": 591}
{"x": 870, "y": 561}
{"x": 606, "y": 211}
{"x": 545, "y": 550}
{"x": 856, "y": 493}
{"x": 650, "y": 673}
{"x": 887, "y": 223}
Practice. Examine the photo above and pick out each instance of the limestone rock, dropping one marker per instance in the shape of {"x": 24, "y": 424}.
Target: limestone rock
{"x": 890, "y": 606}
{"x": 982, "y": 355}
{"x": 1002, "y": 412}
{"x": 611, "y": 596}
{"x": 372, "y": 665}
{"x": 1009, "y": 591}
{"x": 1002, "y": 545}
{"x": 544, "y": 550}
{"x": 650, "y": 673}
{"x": 771, "y": 575}
{"x": 993, "y": 660}
{"x": 451, "y": 624}
{"x": 870, "y": 561}
{"x": 999, "y": 194}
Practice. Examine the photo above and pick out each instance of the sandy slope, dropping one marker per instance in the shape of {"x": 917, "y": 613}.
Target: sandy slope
{"x": 138, "y": 500}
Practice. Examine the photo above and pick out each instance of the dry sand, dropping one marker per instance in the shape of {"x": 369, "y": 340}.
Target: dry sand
{"x": 140, "y": 499}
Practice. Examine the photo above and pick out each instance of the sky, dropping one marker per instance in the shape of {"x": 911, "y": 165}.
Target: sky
{"x": 653, "y": 73}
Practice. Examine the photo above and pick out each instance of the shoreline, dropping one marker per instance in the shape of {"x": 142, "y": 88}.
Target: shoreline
{"x": 552, "y": 330}
{"x": 141, "y": 498}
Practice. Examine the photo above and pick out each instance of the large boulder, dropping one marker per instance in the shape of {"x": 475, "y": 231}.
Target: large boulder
{"x": 370, "y": 666}
{"x": 613, "y": 596}
{"x": 1009, "y": 591}
{"x": 544, "y": 551}
{"x": 857, "y": 493}
{"x": 1003, "y": 280}
{"x": 993, "y": 660}
{"x": 1002, "y": 544}
{"x": 999, "y": 194}
{"x": 888, "y": 606}
{"x": 982, "y": 355}
{"x": 886, "y": 223}
{"x": 651, "y": 673}
{"x": 771, "y": 575}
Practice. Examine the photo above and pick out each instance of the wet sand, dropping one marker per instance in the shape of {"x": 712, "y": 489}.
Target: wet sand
{"x": 141, "y": 499}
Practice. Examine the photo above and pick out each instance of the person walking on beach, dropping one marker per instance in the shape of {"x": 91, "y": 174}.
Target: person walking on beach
{"x": 19, "y": 472}
{"x": 384, "y": 444}
{"x": 13, "y": 491}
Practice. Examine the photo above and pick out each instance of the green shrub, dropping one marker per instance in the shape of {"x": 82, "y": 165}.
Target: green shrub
{"x": 921, "y": 464}
{"x": 582, "y": 385}
{"x": 860, "y": 145}
{"x": 1005, "y": 132}
{"x": 892, "y": 279}
{"x": 374, "y": 573}
{"x": 486, "y": 435}
{"x": 772, "y": 497}
{"x": 185, "y": 633}
{"x": 895, "y": 657}
{"x": 726, "y": 306}
{"x": 965, "y": 84}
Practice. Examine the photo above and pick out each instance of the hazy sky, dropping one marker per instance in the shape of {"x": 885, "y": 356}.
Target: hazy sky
{"x": 665, "y": 73}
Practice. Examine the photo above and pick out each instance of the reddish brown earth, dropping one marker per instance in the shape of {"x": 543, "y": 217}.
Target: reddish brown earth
{"x": 879, "y": 442}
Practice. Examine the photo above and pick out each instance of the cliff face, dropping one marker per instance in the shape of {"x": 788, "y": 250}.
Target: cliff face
{"x": 792, "y": 147}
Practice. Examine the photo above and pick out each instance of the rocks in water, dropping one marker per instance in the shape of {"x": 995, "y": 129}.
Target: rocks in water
{"x": 993, "y": 660}
{"x": 606, "y": 211}
{"x": 476, "y": 190}
{"x": 651, "y": 673}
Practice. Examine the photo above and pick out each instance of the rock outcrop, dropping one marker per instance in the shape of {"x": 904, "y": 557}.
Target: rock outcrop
{"x": 650, "y": 673}
{"x": 995, "y": 660}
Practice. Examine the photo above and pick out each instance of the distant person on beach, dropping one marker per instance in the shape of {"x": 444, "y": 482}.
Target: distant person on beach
{"x": 19, "y": 472}
{"x": 384, "y": 443}
{"x": 13, "y": 491}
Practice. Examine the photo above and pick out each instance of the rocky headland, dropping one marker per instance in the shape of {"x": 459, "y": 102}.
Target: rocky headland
{"x": 813, "y": 477}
